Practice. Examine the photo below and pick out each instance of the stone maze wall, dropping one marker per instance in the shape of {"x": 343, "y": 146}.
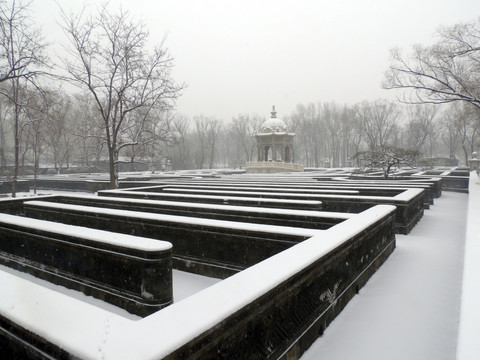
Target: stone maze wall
{"x": 233, "y": 227}
{"x": 213, "y": 248}
{"x": 410, "y": 202}
{"x": 136, "y": 278}
{"x": 284, "y": 321}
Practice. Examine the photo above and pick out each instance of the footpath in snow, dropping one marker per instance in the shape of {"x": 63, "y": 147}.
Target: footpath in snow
{"x": 410, "y": 308}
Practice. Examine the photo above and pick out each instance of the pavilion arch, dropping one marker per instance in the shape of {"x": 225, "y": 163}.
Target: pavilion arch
{"x": 278, "y": 154}
{"x": 267, "y": 153}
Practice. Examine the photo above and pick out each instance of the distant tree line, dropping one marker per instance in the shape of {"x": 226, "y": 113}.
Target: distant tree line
{"x": 330, "y": 134}
{"x": 123, "y": 108}
{"x": 437, "y": 113}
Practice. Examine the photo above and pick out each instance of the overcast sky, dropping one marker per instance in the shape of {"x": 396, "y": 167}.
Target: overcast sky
{"x": 244, "y": 56}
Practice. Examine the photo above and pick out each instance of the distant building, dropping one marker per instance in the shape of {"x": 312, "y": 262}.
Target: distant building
{"x": 275, "y": 148}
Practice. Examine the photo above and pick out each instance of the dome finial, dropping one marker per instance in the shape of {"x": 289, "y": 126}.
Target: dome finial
{"x": 274, "y": 113}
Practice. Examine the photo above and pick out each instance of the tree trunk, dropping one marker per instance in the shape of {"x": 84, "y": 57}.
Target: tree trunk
{"x": 113, "y": 162}
{"x": 466, "y": 154}
{"x": 385, "y": 173}
{"x": 3, "y": 158}
{"x": 132, "y": 163}
{"x": 17, "y": 144}
{"x": 36, "y": 161}
{"x": 212, "y": 154}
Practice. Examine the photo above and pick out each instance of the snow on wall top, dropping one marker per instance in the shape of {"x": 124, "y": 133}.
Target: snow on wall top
{"x": 287, "y": 230}
{"x": 94, "y": 333}
{"x": 406, "y": 195}
{"x": 403, "y": 196}
{"x": 216, "y": 197}
{"x": 260, "y": 193}
{"x": 106, "y": 237}
{"x": 246, "y": 209}
{"x": 280, "y": 190}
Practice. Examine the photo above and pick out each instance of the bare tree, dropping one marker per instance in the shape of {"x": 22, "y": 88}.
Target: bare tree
{"x": 227, "y": 148}
{"x": 22, "y": 45}
{"x": 331, "y": 115}
{"x": 450, "y": 132}
{"x": 36, "y": 112}
{"x": 201, "y": 135}
{"x": 5, "y": 128}
{"x": 376, "y": 121}
{"x": 181, "y": 156}
{"x": 387, "y": 158}
{"x": 444, "y": 72}
{"x": 339, "y": 123}
{"x": 21, "y": 57}
{"x": 111, "y": 63}
{"x": 87, "y": 129}
{"x": 214, "y": 129}
{"x": 152, "y": 141}
{"x": 206, "y": 133}
{"x": 58, "y": 124}
{"x": 244, "y": 128}
{"x": 421, "y": 126}
{"x": 466, "y": 120}
{"x": 310, "y": 129}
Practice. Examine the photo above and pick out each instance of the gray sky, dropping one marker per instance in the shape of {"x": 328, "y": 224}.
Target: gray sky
{"x": 244, "y": 56}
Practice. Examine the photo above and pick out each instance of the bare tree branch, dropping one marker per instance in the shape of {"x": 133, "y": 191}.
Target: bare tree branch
{"x": 125, "y": 82}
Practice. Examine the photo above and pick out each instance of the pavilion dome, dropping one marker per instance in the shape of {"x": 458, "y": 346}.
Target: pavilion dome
{"x": 273, "y": 124}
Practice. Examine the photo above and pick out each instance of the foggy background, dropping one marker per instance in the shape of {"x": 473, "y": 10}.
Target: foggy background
{"x": 245, "y": 56}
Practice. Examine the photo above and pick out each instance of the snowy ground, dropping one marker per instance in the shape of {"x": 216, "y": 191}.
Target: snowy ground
{"x": 468, "y": 346}
{"x": 410, "y": 308}
{"x": 186, "y": 284}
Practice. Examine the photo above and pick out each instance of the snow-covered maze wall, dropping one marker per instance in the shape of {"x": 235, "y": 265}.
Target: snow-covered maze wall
{"x": 209, "y": 247}
{"x": 217, "y": 199}
{"x": 280, "y": 310}
{"x": 6, "y": 186}
{"x": 409, "y": 202}
{"x": 127, "y": 271}
{"x": 291, "y": 254}
{"x": 258, "y": 215}
{"x": 286, "y": 316}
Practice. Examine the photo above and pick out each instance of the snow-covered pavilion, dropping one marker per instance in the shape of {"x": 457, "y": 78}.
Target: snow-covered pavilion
{"x": 275, "y": 148}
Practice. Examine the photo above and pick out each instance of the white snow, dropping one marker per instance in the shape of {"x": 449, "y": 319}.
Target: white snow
{"x": 58, "y": 317}
{"x": 215, "y": 197}
{"x": 94, "y": 333}
{"x": 245, "y": 190}
{"x": 469, "y": 328}
{"x": 58, "y": 313}
{"x": 116, "y": 239}
{"x": 245, "y": 209}
{"x": 407, "y": 195}
{"x": 403, "y": 196}
{"x": 186, "y": 284}
{"x": 18, "y": 287}
{"x": 286, "y": 230}
{"x": 189, "y": 318}
{"x": 409, "y": 309}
